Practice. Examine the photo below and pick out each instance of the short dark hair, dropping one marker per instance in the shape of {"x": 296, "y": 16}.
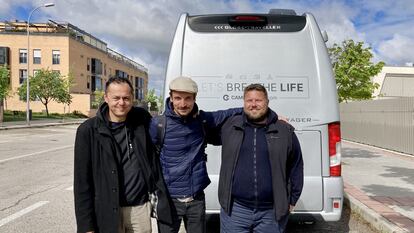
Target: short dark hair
{"x": 118, "y": 80}
{"x": 255, "y": 87}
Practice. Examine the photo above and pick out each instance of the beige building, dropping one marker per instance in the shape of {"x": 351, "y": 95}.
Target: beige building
{"x": 395, "y": 81}
{"x": 64, "y": 48}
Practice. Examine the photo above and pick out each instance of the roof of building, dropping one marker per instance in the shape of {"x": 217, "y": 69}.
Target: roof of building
{"x": 53, "y": 27}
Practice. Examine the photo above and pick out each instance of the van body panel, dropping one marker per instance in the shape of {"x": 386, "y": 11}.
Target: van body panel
{"x": 176, "y": 52}
{"x": 295, "y": 68}
{"x": 312, "y": 193}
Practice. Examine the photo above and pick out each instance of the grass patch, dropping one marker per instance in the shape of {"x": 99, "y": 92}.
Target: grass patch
{"x": 21, "y": 115}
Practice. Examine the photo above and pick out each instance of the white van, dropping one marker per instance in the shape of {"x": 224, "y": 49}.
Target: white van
{"x": 287, "y": 54}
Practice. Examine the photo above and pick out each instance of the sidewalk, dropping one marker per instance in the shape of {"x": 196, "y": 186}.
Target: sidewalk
{"x": 379, "y": 186}
{"x": 39, "y": 123}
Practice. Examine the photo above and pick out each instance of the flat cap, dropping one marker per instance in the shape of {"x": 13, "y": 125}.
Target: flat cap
{"x": 184, "y": 84}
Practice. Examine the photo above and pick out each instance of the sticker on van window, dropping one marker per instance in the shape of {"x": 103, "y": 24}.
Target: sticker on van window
{"x": 230, "y": 87}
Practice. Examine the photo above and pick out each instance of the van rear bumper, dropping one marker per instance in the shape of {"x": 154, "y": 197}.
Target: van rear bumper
{"x": 333, "y": 191}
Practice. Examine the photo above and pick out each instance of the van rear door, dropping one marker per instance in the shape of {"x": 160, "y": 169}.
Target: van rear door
{"x": 312, "y": 195}
{"x": 281, "y": 52}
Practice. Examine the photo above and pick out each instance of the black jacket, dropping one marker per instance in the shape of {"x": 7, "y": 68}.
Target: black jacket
{"x": 96, "y": 181}
{"x": 285, "y": 162}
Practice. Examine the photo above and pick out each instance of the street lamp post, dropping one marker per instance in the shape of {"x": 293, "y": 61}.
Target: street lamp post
{"x": 28, "y": 60}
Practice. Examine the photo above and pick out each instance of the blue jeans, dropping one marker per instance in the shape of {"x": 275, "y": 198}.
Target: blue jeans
{"x": 245, "y": 220}
{"x": 193, "y": 214}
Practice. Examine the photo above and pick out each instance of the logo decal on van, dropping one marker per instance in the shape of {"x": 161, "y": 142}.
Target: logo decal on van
{"x": 230, "y": 87}
{"x": 240, "y": 28}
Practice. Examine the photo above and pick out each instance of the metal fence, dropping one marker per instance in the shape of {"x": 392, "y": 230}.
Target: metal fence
{"x": 386, "y": 123}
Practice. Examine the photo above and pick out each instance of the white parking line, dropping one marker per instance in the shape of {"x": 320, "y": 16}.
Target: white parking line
{"x": 22, "y": 212}
{"x": 37, "y": 136}
{"x": 36, "y": 153}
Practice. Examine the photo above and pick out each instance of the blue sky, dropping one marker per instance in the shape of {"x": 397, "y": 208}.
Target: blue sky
{"x": 143, "y": 30}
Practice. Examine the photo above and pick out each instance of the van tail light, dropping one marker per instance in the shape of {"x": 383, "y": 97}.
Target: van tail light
{"x": 336, "y": 203}
{"x": 334, "y": 130}
{"x": 247, "y": 20}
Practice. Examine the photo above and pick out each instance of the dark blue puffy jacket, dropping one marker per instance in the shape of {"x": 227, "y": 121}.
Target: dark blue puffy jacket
{"x": 182, "y": 155}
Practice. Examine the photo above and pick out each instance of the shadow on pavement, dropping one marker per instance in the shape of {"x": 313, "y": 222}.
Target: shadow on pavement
{"x": 341, "y": 226}
{"x": 358, "y": 153}
{"x": 383, "y": 190}
{"x": 406, "y": 174}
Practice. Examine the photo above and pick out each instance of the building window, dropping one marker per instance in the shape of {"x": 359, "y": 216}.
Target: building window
{"x": 139, "y": 88}
{"x": 121, "y": 74}
{"x": 96, "y": 82}
{"x": 22, "y": 76}
{"x": 55, "y": 57}
{"x": 37, "y": 56}
{"x": 22, "y": 56}
{"x": 88, "y": 65}
{"x": 140, "y": 83}
{"x": 96, "y": 66}
{"x": 140, "y": 94}
{"x": 105, "y": 69}
{"x": 88, "y": 82}
{"x": 4, "y": 55}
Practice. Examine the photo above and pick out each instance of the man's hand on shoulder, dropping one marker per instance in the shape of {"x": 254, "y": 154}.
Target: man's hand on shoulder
{"x": 283, "y": 118}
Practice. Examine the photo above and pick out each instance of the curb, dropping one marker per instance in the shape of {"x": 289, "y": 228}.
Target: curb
{"x": 373, "y": 218}
{"x": 41, "y": 125}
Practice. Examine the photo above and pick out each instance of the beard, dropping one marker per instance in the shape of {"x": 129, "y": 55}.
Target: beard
{"x": 256, "y": 118}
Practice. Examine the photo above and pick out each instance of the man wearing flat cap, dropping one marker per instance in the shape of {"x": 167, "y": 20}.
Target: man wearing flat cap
{"x": 181, "y": 135}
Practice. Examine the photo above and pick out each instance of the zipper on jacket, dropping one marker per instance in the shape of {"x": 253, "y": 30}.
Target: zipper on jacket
{"x": 255, "y": 165}
{"x": 128, "y": 144}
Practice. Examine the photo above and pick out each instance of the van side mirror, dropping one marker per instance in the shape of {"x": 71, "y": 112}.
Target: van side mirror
{"x": 325, "y": 36}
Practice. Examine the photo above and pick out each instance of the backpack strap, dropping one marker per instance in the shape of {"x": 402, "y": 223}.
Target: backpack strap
{"x": 161, "y": 126}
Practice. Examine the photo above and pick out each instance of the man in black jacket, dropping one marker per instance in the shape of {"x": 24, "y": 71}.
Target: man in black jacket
{"x": 116, "y": 167}
{"x": 261, "y": 175}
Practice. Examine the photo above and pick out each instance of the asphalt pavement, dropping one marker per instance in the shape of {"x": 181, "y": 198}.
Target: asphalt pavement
{"x": 379, "y": 184}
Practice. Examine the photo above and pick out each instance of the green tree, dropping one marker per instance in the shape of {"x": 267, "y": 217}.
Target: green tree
{"x": 353, "y": 70}
{"x": 4, "y": 88}
{"x": 48, "y": 86}
{"x": 152, "y": 98}
{"x": 98, "y": 99}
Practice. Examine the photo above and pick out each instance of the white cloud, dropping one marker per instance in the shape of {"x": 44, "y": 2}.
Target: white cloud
{"x": 143, "y": 30}
{"x": 336, "y": 19}
{"x": 397, "y": 50}
{"x": 5, "y": 8}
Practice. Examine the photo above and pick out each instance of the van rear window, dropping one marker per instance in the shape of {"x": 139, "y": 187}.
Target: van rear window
{"x": 247, "y": 23}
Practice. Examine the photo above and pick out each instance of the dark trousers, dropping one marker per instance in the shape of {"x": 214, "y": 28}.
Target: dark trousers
{"x": 193, "y": 213}
{"x": 245, "y": 220}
